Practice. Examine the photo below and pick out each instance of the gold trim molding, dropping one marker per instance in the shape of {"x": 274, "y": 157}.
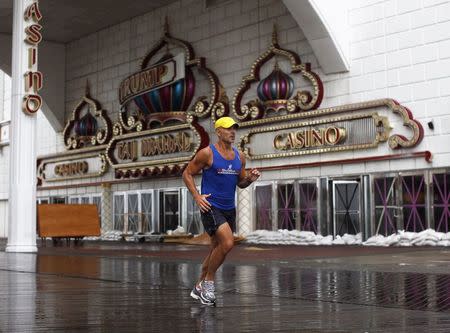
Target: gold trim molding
{"x": 43, "y": 162}
{"x": 379, "y": 122}
{"x": 395, "y": 141}
{"x": 157, "y": 166}
{"x": 334, "y": 115}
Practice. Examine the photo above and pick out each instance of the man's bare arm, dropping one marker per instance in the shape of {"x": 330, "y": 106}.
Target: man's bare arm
{"x": 245, "y": 179}
{"x": 200, "y": 161}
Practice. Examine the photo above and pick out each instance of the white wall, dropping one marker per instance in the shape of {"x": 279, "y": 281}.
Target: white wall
{"x": 48, "y": 141}
{"x": 325, "y": 25}
{"x": 4, "y": 172}
{"x": 5, "y": 96}
{"x": 2, "y": 95}
{"x": 5, "y": 106}
{"x": 335, "y": 15}
{"x": 229, "y": 36}
{"x": 51, "y": 60}
{"x": 4, "y": 190}
{"x": 398, "y": 49}
{"x": 401, "y": 49}
{"x": 3, "y": 218}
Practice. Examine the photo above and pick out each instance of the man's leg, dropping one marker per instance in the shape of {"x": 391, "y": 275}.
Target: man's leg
{"x": 195, "y": 293}
{"x": 205, "y": 263}
{"x": 225, "y": 242}
{"x": 222, "y": 242}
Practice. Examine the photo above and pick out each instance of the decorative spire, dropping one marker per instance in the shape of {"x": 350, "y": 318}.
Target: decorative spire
{"x": 87, "y": 89}
{"x": 275, "y": 66}
{"x": 274, "y": 35}
{"x": 166, "y": 25}
{"x": 167, "y": 49}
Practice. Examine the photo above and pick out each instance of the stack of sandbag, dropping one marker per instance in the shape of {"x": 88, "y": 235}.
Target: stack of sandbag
{"x": 296, "y": 237}
{"x": 427, "y": 237}
{"x": 112, "y": 235}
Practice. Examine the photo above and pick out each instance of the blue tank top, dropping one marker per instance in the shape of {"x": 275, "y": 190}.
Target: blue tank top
{"x": 220, "y": 180}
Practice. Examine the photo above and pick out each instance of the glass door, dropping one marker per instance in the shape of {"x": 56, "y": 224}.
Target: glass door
{"x": 146, "y": 212}
{"x": 42, "y": 201}
{"x": 119, "y": 211}
{"x": 346, "y": 208}
{"x": 74, "y": 200}
{"x": 441, "y": 201}
{"x": 169, "y": 210}
{"x": 263, "y": 207}
{"x": 133, "y": 212}
{"x": 308, "y": 206}
{"x": 193, "y": 222}
{"x": 97, "y": 200}
{"x": 286, "y": 206}
{"x": 58, "y": 200}
{"x": 386, "y": 208}
{"x": 84, "y": 200}
{"x": 413, "y": 202}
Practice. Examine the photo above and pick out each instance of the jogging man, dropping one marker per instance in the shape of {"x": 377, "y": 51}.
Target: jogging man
{"x": 223, "y": 168}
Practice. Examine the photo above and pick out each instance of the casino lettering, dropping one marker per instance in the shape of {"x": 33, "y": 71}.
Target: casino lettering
{"x": 329, "y": 136}
{"x": 71, "y": 169}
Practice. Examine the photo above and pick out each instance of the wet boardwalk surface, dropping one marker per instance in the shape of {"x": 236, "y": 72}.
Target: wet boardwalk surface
{"x": 120, "y": 287}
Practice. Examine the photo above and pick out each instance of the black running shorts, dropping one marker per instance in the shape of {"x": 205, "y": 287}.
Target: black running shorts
{"x": 213, "y": 219}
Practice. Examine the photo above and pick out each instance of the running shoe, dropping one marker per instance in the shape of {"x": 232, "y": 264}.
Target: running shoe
{"x": 196, "y": 291}
{"x": 207, "y": 296}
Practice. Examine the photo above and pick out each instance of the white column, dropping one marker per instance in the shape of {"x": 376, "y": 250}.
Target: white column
{"x": 22, "y": 184}
{"x": 244, "y": 212}
{"x": 2, "y": 96}
{"x": 107, "y": 212}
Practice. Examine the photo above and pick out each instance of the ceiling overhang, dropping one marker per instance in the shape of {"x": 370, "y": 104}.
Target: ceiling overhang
{"x": 325, "y": 27}
{"x": 68, "y": 20}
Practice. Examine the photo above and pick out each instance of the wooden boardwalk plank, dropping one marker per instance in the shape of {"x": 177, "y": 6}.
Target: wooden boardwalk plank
{"x": 65, "y": 290}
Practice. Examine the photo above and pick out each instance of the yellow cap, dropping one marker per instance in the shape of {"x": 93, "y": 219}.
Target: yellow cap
{"x": 225, "y": 122}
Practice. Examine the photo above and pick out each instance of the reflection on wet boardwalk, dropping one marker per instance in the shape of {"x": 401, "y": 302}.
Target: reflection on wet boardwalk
{"x": 74, "y": 290}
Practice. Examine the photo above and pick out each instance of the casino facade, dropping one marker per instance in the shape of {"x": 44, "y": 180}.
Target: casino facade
{"x": 342, "y": 108}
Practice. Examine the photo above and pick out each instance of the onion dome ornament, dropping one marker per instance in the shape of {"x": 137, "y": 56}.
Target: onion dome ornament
{"x": 175, "y": 97}
{"x": 86, "y": 126}
{"x": 89, "y": 124}
{"x": 162, "y": 93}
{"x": 276, "y": 92}
{"x": 276, "y": 89}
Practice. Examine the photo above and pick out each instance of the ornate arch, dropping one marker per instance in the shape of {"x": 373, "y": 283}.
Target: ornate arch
{"x": 101, "y": 135}
{"x": 302, "y": 101}
{"x": 215, "y": 105}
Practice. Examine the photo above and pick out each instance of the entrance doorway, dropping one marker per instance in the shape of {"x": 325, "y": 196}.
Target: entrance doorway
{"x": 286, "y": 206}
{"x": 346, "y": 207}
{"x": 191, "y": 217}
{"x": 386, "y": 206}
{"x": 263, "y": 207}
{"x": 169, "y": 210}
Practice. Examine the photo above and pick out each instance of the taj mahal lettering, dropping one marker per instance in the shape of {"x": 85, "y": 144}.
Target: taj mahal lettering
{"x": 168, "y": 143}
